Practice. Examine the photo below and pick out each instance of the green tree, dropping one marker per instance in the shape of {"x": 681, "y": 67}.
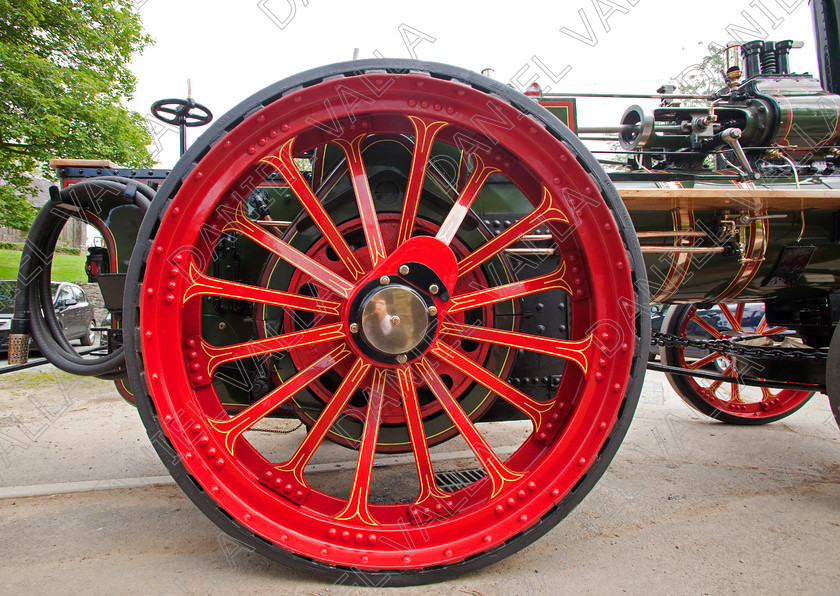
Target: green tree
{"x": 64, "y": 78}
{"x": 703, "y": 78}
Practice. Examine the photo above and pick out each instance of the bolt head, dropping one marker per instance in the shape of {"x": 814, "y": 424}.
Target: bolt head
{"x": 404, "y": 269}
{"x": 354, "y": 327}
{"x": 434, "y": 289}
{"x": 384, "y": 280}
{"x": 402, "y": 358}
{"x": 432, "y": 310}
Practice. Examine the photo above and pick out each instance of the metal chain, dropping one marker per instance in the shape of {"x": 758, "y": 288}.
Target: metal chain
{"x": 732, "y": 348}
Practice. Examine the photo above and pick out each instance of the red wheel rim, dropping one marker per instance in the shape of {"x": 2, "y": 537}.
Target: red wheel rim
{"x": 569, "y": 430}
{"x": 734, "y": 399}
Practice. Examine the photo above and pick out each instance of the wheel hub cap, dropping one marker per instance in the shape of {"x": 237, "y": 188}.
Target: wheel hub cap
{"x": 395, "y": 320}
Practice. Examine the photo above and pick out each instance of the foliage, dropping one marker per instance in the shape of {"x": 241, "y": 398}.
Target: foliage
{"x": 703, "y": 78}
{"x": 64, "y": 78}
{"x": 59, "y": 250}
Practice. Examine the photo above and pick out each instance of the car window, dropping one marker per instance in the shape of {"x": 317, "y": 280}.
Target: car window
{"x": 64, "y": 294}
{"x": 78, "y": 294}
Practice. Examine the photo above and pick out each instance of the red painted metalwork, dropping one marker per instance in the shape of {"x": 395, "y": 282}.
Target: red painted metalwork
{"x": 273, "y": 499}
{"x": 729, "y": 402}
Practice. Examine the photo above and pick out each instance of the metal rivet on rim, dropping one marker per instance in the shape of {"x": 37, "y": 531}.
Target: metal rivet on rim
{"x": 404, "y": 269}
{"x": 384, "y": 280}
{"x": 434, "y": 289}
{"x": 432, "y": 310}
{"x": 354, "y": 327}
{"x": 402, "y": 358}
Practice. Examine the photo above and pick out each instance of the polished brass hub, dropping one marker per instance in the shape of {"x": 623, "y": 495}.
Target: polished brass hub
{"x": 395, "y": 320}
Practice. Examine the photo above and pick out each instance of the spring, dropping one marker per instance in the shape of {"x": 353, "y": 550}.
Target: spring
{"x": 768, "y": 62}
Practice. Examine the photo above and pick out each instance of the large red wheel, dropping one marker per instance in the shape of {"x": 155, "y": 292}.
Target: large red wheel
{"x": 732, "y": 403}
{"x": 458, "y": 296}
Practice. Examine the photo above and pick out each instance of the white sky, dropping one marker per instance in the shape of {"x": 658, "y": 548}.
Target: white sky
{"x": 233, "y": 49}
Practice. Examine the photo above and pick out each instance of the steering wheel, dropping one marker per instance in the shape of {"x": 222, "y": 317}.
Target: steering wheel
{"x": 181, "y": 112}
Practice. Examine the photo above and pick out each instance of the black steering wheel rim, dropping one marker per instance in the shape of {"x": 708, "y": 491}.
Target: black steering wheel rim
{"x": 186, "y": 112}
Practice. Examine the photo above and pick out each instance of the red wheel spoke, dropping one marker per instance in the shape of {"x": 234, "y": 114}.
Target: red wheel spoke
{"x": 762, "y": 325}
{"x": 316, "y": 434}
{"x": 205, "y": 285}
{"x": 575, "y": 350}
{"x": 357, "y": 506}
{"x": 424, "y": 136}
{"x": 705, "y": 325}
{"x": 545, "y": 211}
{"x": 291, "y": 255}
{"x": 232, "y": 428}
{"x": 459, "y": 210}
{"x": 533, "y": 408}
{"x": 739, "y": 315}
{"x": 500, "y": 475}
{"x": 733, "y": 321}
{"x": 284, "y": 163}
{"x": 364, "y": 198}
{"x": 703, "y": 361}
{"x": 551, "y": 281}
{"x": 735, "y": 392}
{"x": 217, "y": 356}
{"x": 716, "y": 385}
{"x": 774, "y": 330}
{"x": 426, "y": 476}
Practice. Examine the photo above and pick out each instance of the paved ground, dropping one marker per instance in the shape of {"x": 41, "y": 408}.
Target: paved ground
{"x": 688, "y": 506}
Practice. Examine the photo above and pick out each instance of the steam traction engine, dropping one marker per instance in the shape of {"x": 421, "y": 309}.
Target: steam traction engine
{"x": 395, "y": 252}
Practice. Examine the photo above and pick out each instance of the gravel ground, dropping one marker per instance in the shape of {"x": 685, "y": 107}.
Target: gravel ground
{"x": 689, "y": 506}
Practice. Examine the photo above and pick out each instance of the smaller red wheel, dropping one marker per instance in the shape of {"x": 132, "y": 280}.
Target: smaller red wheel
{"x": 732, "y": 403}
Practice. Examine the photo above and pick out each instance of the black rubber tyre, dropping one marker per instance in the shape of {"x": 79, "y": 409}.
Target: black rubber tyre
{"x": 832, "y": 374}
{"x": 157, "y": 427}
{"x": 90, "y": 337}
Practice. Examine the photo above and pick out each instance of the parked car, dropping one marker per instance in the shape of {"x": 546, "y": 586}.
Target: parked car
{"x": 751, "y": 319}
{"x": 74, "y": 313}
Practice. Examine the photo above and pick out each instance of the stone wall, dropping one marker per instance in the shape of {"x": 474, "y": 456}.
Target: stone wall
{"x": 95, "y": 298}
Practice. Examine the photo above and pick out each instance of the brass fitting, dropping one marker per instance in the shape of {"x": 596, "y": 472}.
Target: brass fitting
{"x": 18, "y": 348}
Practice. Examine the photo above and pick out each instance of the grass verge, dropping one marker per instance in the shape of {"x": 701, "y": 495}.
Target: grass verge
{"x": 65, "y": 267}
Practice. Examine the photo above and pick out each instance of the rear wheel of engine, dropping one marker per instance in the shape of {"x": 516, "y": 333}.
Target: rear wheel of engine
{"x": 391, "y": 325}
{"x": 731, "y": 403}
